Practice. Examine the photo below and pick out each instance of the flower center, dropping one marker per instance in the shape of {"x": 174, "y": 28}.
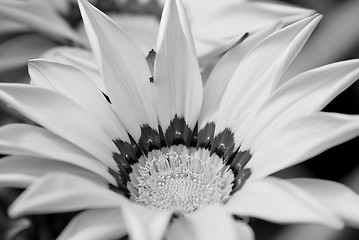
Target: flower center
{"x": 182, "y": 182}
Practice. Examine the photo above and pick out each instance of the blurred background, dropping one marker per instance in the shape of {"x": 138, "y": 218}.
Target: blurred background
{"x": 336, "y": 38}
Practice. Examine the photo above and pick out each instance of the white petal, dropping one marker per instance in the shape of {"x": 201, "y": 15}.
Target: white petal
{"x": 303, "y": 94}
{"x": 177, "y": 78}
{"x": 280, "y": 201}
{"x": 63, "y": 117}
{"x": 82, "y": 59}
{"x": 21, "y": 171}
{"x": 256, "y": 75}
{"x": 301, "y": 139}
{"x": 223, "y": 71}
{"x": 144, "y": 223}
{"x": 18, "y": 50}
{"x": 32, "y": 141}
{"x": 74, "y": 84}
{"x": 183, "y": 23}
{"x": 336, "y": 196}
{"x": 60, "y": 192}
{"x": 41, "y": 17}
{"x": 124, "y": 70}
{"x": 97, "y": 224}
{"x": 212, "y": 222}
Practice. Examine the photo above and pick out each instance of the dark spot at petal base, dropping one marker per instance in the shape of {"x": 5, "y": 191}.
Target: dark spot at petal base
{"x": 223, "y": 143}
{"x": 179, "y": 133}
{"x": 129, "y": 152}
{"x": 238, "y": 160}
{"x": 121, "y": 176}
{"x": 205, "y": 136}
{"x": 194, "y": 137}
{"x": 240, "y": 179}
{"x": 149, "y": 140}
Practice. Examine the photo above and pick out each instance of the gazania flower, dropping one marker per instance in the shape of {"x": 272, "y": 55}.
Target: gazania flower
{"x": 158, "y": 155}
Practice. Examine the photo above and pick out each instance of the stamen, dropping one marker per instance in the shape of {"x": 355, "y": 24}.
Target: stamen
{"x": 178, "y": 182}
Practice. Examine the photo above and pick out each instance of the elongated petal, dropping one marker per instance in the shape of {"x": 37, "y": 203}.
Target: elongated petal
{"x": 18, "y": 50}
{"x": 32, "y": 141}
{"x": 305, "y": 93}
{"x": 280, "y": 201}
{"x": 249, "y": 81}
{"x": 21, "y": 171}
{"x": 76, "y": 85}
{"x": 40, "y": 16}
{"x": 97, "y": 224}
{"x": 272, "y": 77}
{"x": 301, "y": 139}
{"x": 124, "y": 69}
{"x": 223, "y": 71}
{"x": 144, "y": 223}
{"x": 82, "y": 59}
{"x": 177, "y": 78}
{"x": 62, "y": 116}
{"x": 212, "y": 222}
{"x": 336, "y": 196}
{"x": 60, "y": 192}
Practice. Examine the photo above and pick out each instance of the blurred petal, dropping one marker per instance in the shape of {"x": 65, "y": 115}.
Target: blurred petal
{"x": 301, "y": 139}
{"x": 280, "y": 201}
{"x": 39, "y": 16}
{"x": 336, "y": 196}
{"x": 12, "y": 229}
{"x": 143, "y": 29}
{"x": 21, "y": 171}
{"x": 97, "y": 224}
{"x": 60, "y": 192}
{"x": 212, "y": 222}
{"x": 18, "y": 50}
{"x": 9, "y": 27}
{"x": 124, "y": 69}
{"x": 177, "y": 78}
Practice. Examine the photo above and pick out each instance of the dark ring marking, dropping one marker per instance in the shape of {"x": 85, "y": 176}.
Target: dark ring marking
{"x": 178, "y": 133}
{"x": 223, "y": 143}
{"x": 205, "y": 136}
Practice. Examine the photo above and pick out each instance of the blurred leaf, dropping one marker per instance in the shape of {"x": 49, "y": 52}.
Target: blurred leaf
{"x": 11, "y": 229}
